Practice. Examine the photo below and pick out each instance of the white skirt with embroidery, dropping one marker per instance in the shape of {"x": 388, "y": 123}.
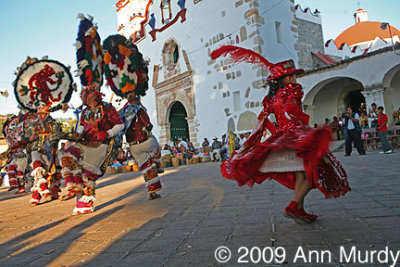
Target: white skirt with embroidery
{"x": 283, "y": 160}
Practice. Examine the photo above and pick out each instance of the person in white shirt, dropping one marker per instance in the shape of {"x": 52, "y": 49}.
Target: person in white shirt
{"x": 171, "y": 143}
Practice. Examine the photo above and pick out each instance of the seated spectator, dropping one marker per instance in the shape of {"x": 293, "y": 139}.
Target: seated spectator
{"x": 396, "y": 117}
{"x": 216, "y": 147}
{"x": 121, "y": 156}
{"x": 224, "y": 152}
{"x": 364, "y": 125}
{"x": 191, "y": 148}
{"x": 128, "y": 155}
{"x": 237, "y": 142}
{"x": 166, "y": 150}
{"x": 205, "y": 143}
{"x": 190, "y": 152}
{"x": 182, "y": 143}
{"x": 243, "y": 139}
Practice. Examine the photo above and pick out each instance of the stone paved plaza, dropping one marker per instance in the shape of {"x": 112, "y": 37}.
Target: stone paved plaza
{"x": 198, "y": 212}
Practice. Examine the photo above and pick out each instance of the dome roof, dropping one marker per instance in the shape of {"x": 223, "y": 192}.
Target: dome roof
{"x": 364, "y": 31}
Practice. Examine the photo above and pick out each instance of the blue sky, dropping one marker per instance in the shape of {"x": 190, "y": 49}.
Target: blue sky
{"x": 49, "y": 27}
{"x": 337, "y": 15}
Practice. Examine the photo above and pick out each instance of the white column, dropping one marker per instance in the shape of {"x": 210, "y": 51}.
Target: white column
{"x": 374, "y": 96}
{"x": 309, "y": 109}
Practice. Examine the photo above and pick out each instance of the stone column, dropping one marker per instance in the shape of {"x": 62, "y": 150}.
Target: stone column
{"x": 165, "y": 133}
{"x": 192, "y": 131}
{"x": 374, "y": 95}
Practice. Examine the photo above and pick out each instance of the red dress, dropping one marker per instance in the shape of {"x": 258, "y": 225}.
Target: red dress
{"x": 310, "y": 145}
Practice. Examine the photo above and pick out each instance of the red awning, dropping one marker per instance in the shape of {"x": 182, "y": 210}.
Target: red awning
{"x": 324, "y": 58}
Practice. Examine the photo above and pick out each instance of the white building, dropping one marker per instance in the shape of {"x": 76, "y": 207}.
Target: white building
{"x": 370, "y": 78}
{"x": 370, "y": 72}
{"x": 194, "y": 96}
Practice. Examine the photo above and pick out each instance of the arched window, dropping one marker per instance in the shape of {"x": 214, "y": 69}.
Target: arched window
{"x": 166, "y": 13}
{"x": 170, "y": 54}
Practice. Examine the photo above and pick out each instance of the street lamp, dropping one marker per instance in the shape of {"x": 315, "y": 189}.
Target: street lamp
{"x": 385, "y": 25}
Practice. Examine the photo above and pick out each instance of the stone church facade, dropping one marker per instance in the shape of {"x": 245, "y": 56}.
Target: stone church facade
{"x": 194, "y": 97}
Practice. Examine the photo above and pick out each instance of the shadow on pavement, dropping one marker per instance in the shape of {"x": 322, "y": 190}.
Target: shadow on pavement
{"x": 53, "y": 248}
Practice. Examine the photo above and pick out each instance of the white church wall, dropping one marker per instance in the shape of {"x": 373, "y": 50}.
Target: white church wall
{"x": 210, "y": 24}
{"x": 327, "y": 104}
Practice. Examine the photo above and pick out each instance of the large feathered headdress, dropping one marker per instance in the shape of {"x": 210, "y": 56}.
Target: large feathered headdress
{"x": 124, "y": 67}
{"x": 239, "y": 54}
{"x": 43, "y": 83}
{"x": 89, "y": 55}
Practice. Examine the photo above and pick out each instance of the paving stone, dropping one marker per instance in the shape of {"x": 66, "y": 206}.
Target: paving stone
{"x": 104, "y": 259}
{"x": 354, "y": 237}
{"x": 200, "y": 211}
{"x": 142, "y": 259}
{"x": 18, "y": 260}
{"x": 302, "y": 237}
{"x": 202, "y": 243}
{"x": 137, "y": 234}
{"x": 119, "y": 246}
{"x": 192, "y": 258}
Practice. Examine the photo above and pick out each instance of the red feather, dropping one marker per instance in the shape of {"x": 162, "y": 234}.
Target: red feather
{"x": 239, "y": 54}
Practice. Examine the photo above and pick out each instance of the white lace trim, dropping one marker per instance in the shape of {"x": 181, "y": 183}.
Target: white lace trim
{"x": 284, "y": 160}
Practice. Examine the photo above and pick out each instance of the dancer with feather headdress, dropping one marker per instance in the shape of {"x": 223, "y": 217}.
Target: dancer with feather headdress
{"x": 126, "y": 74}
{"x": 98, "y": 124}
{"x": 43, "y": 86}
{"x": 296, "y": 155}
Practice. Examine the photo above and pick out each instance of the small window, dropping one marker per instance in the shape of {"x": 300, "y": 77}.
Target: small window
{"x": 278, "y": 30}
{"x": 170, "y": 55}
{"x": 176, "y": 54}
{"x": 247, "y": 92}
{"x": 166, "y": 13}
{"x": 236, "y": 101}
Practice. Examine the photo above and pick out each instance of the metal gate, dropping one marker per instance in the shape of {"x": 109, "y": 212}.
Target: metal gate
{"x": 179, "y": 125}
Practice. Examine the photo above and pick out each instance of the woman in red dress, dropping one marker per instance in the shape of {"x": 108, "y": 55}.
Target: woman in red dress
{"x": 295, "y": 155}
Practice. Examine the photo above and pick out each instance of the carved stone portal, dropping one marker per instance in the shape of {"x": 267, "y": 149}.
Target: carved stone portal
{"x": 178, "y": 88}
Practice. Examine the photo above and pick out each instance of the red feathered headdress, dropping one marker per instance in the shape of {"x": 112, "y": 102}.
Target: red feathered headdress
{"x": 239, "y": 54}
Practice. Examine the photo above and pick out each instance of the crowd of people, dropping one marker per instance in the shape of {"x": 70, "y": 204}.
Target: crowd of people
{"x": 34, "y": 136}
{"x": 216, "y": 150}
{"x": 351, "y": 127}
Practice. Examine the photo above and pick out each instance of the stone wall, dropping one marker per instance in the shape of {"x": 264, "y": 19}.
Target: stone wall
{"x": 310, "y": 39}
